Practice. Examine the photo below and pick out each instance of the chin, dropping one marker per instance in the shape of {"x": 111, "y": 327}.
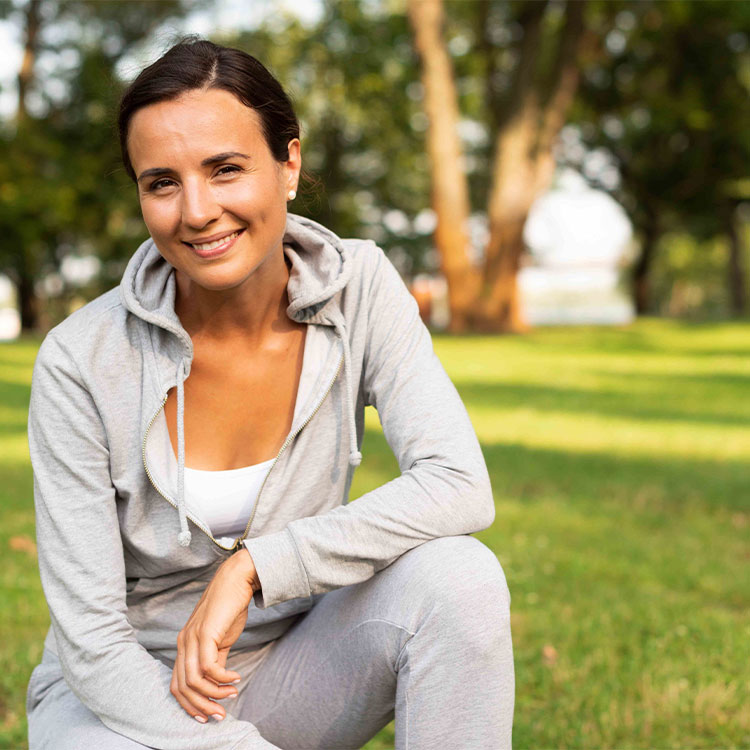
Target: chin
{"x": 217, "y": 281}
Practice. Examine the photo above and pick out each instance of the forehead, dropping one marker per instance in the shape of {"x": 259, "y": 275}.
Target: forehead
{"x": 193, "y": 126}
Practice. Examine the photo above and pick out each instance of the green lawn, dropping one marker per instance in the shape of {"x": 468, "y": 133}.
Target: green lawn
{"x": 619, "y": 461}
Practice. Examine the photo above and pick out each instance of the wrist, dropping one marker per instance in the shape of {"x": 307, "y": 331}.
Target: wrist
{"x": 246, "y": 566}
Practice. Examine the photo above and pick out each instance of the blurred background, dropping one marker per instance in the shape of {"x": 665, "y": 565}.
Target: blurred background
{"x": 574, "y": 173}
{"x": 550, "y": 163}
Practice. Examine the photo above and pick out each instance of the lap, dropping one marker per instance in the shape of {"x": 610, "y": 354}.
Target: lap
{"x": 331, "y": 678}
{"x": 59, "y": 721}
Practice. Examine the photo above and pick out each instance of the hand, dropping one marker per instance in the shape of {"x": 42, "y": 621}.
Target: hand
{"x": 203, "y": 644}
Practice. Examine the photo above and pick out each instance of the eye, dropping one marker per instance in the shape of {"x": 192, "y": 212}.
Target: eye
{"x": 160, "y": 184}
{"x": 228, "y": 169}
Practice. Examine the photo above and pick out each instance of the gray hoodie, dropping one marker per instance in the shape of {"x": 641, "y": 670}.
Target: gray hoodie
{"x": 123, "y": 563}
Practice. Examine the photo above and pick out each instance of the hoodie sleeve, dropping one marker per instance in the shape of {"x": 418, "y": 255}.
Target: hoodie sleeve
{"x": 443, "y": 489}
{"x": 83, "y": 573}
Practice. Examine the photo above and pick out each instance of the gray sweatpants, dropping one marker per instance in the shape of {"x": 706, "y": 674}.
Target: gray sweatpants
{"x": 426, "y": 640}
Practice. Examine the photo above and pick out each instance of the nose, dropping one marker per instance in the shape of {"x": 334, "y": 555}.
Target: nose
{"x": 199, "y": 205}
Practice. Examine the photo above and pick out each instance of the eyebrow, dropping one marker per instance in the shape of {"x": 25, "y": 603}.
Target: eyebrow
{"x": 159, "y": 171}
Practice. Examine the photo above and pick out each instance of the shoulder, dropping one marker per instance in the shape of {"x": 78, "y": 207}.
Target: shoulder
{"x": 371, "y": 269}
{"x": 376, "y": 300}
{"x": 363, "y": 254}
{"x": 96, "y": 325}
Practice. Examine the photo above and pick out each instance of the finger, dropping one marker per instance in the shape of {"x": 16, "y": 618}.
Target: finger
{"x": 222, "y": 662}
{"x": 196, "y": 678}
{"x": 202, "y": 705}
{"x": 176, "y": 688}
{"x": 223, "y": 655}
{"x": 212, "y": 663}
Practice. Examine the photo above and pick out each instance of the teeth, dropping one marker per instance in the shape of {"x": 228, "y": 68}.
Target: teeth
{"x": 215, "y": 243}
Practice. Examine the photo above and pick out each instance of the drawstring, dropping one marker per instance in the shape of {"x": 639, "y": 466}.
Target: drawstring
{"x": 355, "y": 457}
{"x": 184, "y": 536}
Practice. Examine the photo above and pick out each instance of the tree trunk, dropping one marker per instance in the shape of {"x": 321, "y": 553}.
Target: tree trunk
{"x": 499, "y": 308}
{"x": 736, "y": 271}
{"x": 642, "y": 268}
{"x": 524, "y": 165}
{"x": 28, "y": 303}
{"x": 450, "y": 191}
{"x": 334, "y": 179}
{"x": 26, "y": 73}
{"x": 513, "y": 192}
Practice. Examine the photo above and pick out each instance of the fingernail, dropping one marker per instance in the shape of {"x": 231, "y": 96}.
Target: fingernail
{"x": 201, "y": 719}
{"x": 232, "y": 695}
{"x": 234, "y": 682}
{"x": 218, "y": 717}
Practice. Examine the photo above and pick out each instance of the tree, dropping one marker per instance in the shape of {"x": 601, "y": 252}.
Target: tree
{"x": 526, "y": 114}
{"x": 57, "y": 155}
{"x": 450, "y": 193}
{"x": 670, "y": 103}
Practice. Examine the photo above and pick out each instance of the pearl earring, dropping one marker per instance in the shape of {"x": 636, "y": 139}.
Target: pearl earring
{"x": 291, "y": 195}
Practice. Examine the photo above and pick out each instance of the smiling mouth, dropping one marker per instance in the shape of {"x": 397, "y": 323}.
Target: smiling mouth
{"x": 204, "y": 247}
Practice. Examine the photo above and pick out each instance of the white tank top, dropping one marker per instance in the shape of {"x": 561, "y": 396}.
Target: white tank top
{"x": 223, "y": 500}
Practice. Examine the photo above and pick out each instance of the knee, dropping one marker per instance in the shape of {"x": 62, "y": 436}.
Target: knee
{"x": 463, "y": 577}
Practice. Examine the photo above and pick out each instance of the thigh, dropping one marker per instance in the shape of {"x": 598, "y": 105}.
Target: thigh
{"x": 334, "y": 679}
{"x": 59, "y": 721}
{"x": 330, "y": 681}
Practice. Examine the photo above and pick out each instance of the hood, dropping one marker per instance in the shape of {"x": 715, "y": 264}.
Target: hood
{"x": 319, "y": 269}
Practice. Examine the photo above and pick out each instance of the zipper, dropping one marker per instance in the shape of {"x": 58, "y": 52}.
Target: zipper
{"x": 164, "y": 494}
{"x": 283, "y": 447}
{"x": 238, "y": 542}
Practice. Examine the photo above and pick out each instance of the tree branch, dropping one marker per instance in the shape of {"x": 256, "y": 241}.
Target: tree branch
{"x": 565, "y": 72}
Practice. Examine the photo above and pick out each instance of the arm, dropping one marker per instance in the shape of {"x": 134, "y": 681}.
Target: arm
{"x": 443, "y": 489}
{"x": 203, "y": 643}
{"x": 83, "y": 572}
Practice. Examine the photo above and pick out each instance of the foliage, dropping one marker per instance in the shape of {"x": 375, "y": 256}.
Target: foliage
{"x": 63, "y": 191}
{"x": 689, "y": 275}
{"x": 664, "y": 97}
{"x": 669, "y": 103}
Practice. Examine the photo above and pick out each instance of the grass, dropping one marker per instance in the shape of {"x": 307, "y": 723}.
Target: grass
{"x": 619, "y": 461}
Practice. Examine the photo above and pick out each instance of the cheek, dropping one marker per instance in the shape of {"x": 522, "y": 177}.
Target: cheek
{"x": 158, "y": 218}
{"x": 254, "y": 205}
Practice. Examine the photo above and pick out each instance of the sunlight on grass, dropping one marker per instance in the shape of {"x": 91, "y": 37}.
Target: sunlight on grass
{"x": 619, "y": 462}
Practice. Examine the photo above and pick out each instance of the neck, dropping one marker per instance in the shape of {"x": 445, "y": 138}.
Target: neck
{"x": 249, "y": 310}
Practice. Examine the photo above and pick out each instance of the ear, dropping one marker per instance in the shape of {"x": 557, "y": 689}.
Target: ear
{"x": 293, "y": 165}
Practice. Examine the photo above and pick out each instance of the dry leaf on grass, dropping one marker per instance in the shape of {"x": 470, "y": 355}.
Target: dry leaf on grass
{"x": 23, "y": 544}
{"x": 549, "y": 655}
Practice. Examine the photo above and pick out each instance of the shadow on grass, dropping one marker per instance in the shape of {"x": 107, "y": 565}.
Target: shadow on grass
{"x": 670, "y": 486}
{"x": 690, "y": 390}
{"x": 17, "y": 490}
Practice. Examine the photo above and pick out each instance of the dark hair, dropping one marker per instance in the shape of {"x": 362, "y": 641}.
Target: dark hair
{"x": 195, "y": 63}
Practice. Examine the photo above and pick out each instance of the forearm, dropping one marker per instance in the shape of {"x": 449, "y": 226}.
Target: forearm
{"x": 128, "y": 690}
{"x": 351, "y": 543}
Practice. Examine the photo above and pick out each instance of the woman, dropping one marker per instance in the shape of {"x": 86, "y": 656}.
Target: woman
{"x": 193, "y": 435}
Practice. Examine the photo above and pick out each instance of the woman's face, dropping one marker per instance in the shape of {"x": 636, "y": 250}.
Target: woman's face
{"x": 212, "y": 195}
